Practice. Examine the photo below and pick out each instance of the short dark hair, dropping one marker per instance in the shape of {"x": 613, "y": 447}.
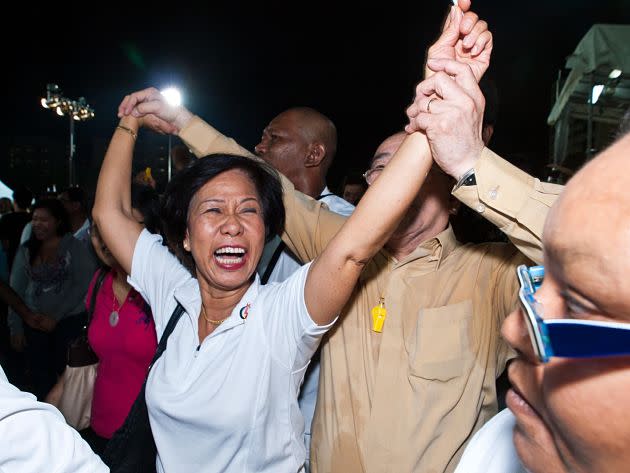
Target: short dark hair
{"x": 185, "y": 184}
{"x": 146, "y": 200}
{"x": 76, "y": 194}
{"x": 23, "y": 197}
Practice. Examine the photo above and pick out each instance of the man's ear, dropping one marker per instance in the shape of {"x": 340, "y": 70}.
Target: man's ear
{"x": 486, "y": 133}
{"x": 315, "y": 156}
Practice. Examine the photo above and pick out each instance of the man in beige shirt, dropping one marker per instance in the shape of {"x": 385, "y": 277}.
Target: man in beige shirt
{"x": 409, "y": 398}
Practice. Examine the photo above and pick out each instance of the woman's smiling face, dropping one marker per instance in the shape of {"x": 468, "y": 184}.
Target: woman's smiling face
{"x": 226, "y": 231}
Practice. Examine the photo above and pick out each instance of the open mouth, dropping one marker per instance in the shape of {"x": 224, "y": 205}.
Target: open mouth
{"x": 230, "y": 257}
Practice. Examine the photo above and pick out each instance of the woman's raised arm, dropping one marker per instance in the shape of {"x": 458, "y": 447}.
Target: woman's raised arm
{"x": 112, "y": 205}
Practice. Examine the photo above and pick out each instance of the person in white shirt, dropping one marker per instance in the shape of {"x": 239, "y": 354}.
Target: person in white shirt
{"x": 34, "y": 437}
{"x": 223, "y": 396}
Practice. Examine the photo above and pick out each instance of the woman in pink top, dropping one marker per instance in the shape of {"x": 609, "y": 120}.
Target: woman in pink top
{"x": 121, "y": 333}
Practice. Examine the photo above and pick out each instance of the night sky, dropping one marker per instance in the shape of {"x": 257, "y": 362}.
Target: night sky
{"x": 238, "y": 67}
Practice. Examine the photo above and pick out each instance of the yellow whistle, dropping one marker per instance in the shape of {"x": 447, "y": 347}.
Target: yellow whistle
{"x": 378, "y": 315}
{"x": 147, "y": 174}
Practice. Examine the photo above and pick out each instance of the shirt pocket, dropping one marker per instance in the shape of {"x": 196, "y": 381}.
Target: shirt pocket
{"x": 438, "y": 344}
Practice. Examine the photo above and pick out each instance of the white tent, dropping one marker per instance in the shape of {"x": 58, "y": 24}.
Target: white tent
{"x": 594, "y": 96}
{"x": 5, "y": 191}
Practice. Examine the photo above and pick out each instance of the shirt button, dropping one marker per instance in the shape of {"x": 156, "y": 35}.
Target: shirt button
{"x": 481, "y": 208}
{"x": 493, "y": 194}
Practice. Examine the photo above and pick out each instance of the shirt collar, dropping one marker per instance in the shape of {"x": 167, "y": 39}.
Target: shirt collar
{"x": 189, "y": 297}
{"x": 434, "y": 249}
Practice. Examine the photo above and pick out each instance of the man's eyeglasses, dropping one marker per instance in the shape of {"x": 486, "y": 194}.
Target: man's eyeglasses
{"x": 371, "y": 174}
{"x": 567, "y": 338}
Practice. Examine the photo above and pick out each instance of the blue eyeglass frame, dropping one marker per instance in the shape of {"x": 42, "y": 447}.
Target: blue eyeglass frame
{"x": 567, "y": 338}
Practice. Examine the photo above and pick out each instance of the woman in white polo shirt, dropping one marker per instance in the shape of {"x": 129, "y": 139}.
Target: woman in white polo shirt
{"x": 223, "y": 396}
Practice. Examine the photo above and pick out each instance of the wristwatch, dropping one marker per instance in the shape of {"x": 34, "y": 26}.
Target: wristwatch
{"x": 467, "y": 179}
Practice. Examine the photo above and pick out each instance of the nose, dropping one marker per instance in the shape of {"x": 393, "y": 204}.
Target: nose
{"x": 514, "y": 332}
{"x": 261, "y": 147}
{"x": 231, "y": 226}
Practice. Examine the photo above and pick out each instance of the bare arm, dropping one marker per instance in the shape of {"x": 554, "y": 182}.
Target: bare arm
{"x": 112, "y": 205}
{"x": 334, "y": 274}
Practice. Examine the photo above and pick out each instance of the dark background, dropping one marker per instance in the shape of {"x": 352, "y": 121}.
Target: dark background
{"x": 238, "y": 66}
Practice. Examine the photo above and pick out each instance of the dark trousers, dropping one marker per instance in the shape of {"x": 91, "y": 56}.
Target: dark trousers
{"x": 46, "y": 353}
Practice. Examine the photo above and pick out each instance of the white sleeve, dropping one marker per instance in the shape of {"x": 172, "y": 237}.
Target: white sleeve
{"x": 36, "y": 438}
{"x": 292, "y": 335}
{"x": 155, "y": 273}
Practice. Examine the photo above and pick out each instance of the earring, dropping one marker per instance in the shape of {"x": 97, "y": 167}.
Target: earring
{"x": 186, "y": 246}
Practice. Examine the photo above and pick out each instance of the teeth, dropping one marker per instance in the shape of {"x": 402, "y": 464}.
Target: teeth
{"x": 229, "y": 259}
{"x": 230, "y": 250}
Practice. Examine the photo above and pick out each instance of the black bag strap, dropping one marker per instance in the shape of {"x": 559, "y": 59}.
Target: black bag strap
{"x": 170, "y": 326}
{"x": 97, "y": 287}
{"x": 272, "y": 262}
{"x": 276, "y": 254}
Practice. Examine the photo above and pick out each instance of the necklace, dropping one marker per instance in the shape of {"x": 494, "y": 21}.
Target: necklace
{"x": 211, "y": 321}
{"x": 114, "y": 316}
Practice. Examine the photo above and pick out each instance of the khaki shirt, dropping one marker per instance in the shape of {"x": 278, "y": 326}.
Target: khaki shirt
{"x": 408, "y": 399}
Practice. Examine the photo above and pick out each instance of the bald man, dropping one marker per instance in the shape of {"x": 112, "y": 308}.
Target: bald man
{"x": 568, "y": 413}
{"x": 301, "y": 144}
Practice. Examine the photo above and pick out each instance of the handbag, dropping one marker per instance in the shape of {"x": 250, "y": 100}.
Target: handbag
{"x": 75, "y": 401}
{"x": 132, "y": 447}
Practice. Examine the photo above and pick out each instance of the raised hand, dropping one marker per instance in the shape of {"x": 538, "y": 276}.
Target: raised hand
{"x": 464, "y": 38}
{"x": 151, "y": 109}
{"x": 449, "y": 108}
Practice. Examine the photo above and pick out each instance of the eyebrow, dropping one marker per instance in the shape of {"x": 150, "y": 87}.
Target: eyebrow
{"x": 222, "y": 201}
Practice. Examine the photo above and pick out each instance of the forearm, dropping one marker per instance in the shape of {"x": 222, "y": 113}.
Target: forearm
{"x": 112, "y": 205}
{"x": 203, "y": 140}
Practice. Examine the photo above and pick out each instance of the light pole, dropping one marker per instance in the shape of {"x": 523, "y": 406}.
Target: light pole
{"x": 76, "y": 110}
{"x": 173, "y": 97}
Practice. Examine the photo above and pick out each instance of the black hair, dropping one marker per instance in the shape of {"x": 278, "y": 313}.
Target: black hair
{"x": 185, "y": 184}
{"x": 76, "y": 194}
{"x": 146, "y": 200}
{"x": 23, "y": 197}
{"x": 57, "y": 210}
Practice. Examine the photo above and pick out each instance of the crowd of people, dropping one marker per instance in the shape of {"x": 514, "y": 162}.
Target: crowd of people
{"x": 310, "y": 332}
